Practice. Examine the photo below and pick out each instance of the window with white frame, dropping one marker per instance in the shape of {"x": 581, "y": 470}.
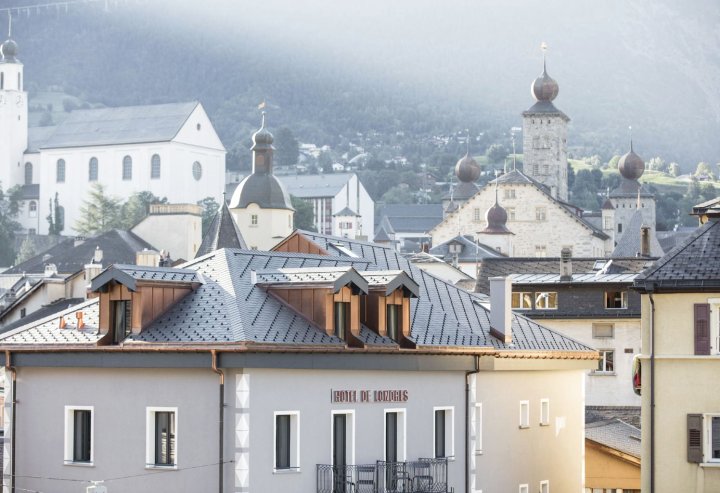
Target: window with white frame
{"x": 603, "y": 331}
{"x": 540, "y": 214}
{"x": 606, "y": 363}
{"x": 477, "y": 216}
{"x": 545, "y": 486}
{"x": 342, "y": 437}
{"x": 395, "y": 431}
{"x": 524, "y": 414}
{"x": 544, "y": 412}
{"x": 32, "y": 209}
{"x": 510, "y": 213}
{"x": 253, "y": 220}
{"x": 616, "y": 299}
{"x": 522, "y": 300}
{"x": 524, "y": 489}
{"x": 540, "y": 251}
{"x": 714, "y": 325}
{"x": 287, "y": 441}
{"x": 79, "y": 428}
{"x": 444, "y": 432}
{"x": 161, "y": 441}
{"x": 478, "y": 428}
{"x": 546, "y": 300}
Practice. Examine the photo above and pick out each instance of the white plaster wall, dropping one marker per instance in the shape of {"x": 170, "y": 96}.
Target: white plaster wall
{"x": 13, "y": 127}
{"x": 366, "y": 207}
{"x": 512, "y": 456}
{"x": 603, "y": 389}
{"x": 179, "y": 234}
{"x": 560, "y": 229}
{"x": 272, "y": 227}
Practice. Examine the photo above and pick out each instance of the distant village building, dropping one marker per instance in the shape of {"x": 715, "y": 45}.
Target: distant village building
{"x": 170, "y": 150}
{"x": 330, "y": 193}
{"x": 407, "y": 226}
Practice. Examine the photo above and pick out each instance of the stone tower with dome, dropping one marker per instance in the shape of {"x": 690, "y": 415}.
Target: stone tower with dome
{"x": 260, "y": 204}
{"x": 13, "y": 116}
{"x": 628, "y": 198}
{"x": 467, "y": 171}
{"x": 545, "y": 138}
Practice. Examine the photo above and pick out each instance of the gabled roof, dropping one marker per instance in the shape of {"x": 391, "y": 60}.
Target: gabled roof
{"x": 347, "y": 211}
{"x": 124, "y": 125}
{"x": 615, "y": 434}
{"x": 43, "y": 312}
{"x": 310, "y": 186}
{"x": 222, "y": 233}
{"x": 37, "y": 136}
{"x": 694, "y": 265}
{"x": 471, "y": 251}
{"x": 128, "y": 275}
{"x": 629, "y": 243}
{"x": 118, "y": 246}
{"x": 334, "y": 278}
{"x": 389, "y": 281}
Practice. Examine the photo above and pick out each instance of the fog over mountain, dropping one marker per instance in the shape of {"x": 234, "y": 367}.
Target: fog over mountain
{"x": 328, "y": 67}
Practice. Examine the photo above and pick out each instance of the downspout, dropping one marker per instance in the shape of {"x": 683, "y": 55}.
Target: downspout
{"x": 221, "y": 422}
{"x": 467, "y": 420}
{"x": 652, "y": 389}
{"x": 11, "y": 369}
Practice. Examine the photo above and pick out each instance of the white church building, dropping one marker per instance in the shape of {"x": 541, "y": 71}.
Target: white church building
{"x": 170, "y": 150}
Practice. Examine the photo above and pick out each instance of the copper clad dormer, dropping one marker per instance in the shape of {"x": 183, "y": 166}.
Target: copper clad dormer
{"x": 132, "y": 297}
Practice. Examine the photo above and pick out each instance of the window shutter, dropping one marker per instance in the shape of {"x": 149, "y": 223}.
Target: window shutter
{"x": 702, "y": 328}
{"x": 694, "y": 433}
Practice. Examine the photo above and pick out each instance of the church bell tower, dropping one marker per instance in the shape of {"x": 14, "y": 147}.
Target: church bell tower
{"x": 13, "y": 116}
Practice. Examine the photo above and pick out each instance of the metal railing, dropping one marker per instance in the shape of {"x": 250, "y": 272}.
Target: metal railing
{"x": 419, "y": 476}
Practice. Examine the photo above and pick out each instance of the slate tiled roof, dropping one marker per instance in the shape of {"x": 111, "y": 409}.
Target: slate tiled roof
{"x": 628, "y": 414}
{"x": 311, "y": 186}
{"x": 629, "y": 189}
{"x": 43, "y": 312}
{"x": 37, "y": 137}
{"x": 470, "y": 253}
{"x": 222, "y": 233}
{"x": 629, "y": 243}
{"x": 509, "y": 266}
{"x": 670, "y": 239}
{"x": 347, "y": 212}
{"x": 445, "y": 315}
{"x": 544, "y": 107}
{"x": 118, "y": 246}
{"x": 615, "y": 434}
{"x": 164, "y": 274}
{"x": 582, "y": 278}
{"x": 124, "y": 125}
{"x": 47, "y": 330}
{"x": 692, "y": 265}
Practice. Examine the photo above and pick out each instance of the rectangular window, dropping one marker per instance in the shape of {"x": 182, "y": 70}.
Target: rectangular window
{"x": 342, "y": 438}
{"x": 161, "y": 442}
{"x": 546, "y": 301}
{"x": 603, "y": 331}
{"x": 509, "y": 193}
{"x": 540, "y": 214}
{"x": 524, "y": 414}
{"x": 607, "y": 222}
{"x": 545, "y": 486}
{"x": 443, "y": 432}
{"x": 523, "y": 489}
{"x": 287, "y": 441}
{"x": 342, "y": 318}
{"x": 121, "y": 320}
{"x": 477, "y": 216}
{"x": 253, "y": 220}
{"x": 619, "y": 228}
{"x": 395, "y": 442}
{"x": 511, "y": 213}
{"x": 540, "y": 251}
{"x": 392, "y": 322}
{"x": 478, "y": 428}
{"x": 615, "y": 299}
{"x": 79, "y": 429}
{"x": 544, "y": 412}
{"x": 522, "y": 301}
{"x": 606, "y": 364}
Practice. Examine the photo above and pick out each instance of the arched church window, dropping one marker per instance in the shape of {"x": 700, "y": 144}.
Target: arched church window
{"x": 2, "y": 80}
{"x": 28, "y": 173}
{"x": 60, "y": 171}
{"x": 93, "y": 169}
{"x": 19, "y": 82}
{"x": 155, "y": 166}
{"x": 127, "y": 168}
{"x": 32, "y": 209}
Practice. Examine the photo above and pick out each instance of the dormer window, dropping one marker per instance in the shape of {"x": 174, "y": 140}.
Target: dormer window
{"x": 392, "y": 323}
{"x": 341, "y": 317}
{"x": 121, "y": 320}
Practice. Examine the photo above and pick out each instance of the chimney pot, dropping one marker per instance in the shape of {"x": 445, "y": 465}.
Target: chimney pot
{"x": 645, "y": 241}
{"x": 566, "y": 264}
{"x": 500, "y": 308}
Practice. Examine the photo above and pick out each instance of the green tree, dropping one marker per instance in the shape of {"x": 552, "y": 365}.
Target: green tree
{"x": 658, "y": 164}
{"x": 324, "y": 162}
{"x": 613, "y": 163}
{"x": 137, "y": 207}
{"x": 304, "y": 217}
{"x": 496, "y": 153}
{"x": 674, "y": 169}
{"x": 704, "y": 170}
{"x": 56, "y": 217}
{"x": 9, "y": 208}
{"x": 27, "y": 250}
{"x": 99, "y": 212}
{"x": 210, "y": 208}
{"x": 400, "y": 194}
{"x": 287, "y": 148}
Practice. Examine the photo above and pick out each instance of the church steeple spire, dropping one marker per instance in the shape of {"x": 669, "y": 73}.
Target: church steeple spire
{"x": 262, "y": 149}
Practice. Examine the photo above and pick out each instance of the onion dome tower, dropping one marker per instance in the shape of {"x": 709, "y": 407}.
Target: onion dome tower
{"x": 260, "y": 204}
{"x": 496, "y": 233}
{"x": 467, "y": 171}
{"x": 545, "y": 136}
{"x": 13, "y": 116}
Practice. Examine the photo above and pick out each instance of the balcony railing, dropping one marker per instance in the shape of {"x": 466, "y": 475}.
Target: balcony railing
{"x": 420, "y": 476}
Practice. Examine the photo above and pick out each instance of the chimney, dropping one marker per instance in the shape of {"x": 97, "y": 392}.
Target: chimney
{"x": 566, "y": 264}
{"x": 148, "y": 258}
{"x": 91, "y": 271}
{"x": 500, "y": 312}
{"x": 98, "y": 255}
{"x": 644, "y": 241}
{"x": 50, "y": 270}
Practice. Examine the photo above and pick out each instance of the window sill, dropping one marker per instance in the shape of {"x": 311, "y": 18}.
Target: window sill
{"x": 603, "y": 373}
{"x": 525, "y": 427}
{"x": 544, "y": 424}
{"x": 290, "y": 470}
{"x": 478, "y": 452}
{"x": 710, "y": 464}
{"x": 160, "y": 467}
{"x": 79, "y": 464}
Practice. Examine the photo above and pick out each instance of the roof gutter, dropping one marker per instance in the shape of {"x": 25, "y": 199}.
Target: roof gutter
{"x": 11, "y": 369}
{"x": 652, "y": 388}
{"x": 467, "y": 420}
{"x": 221, "y": 420}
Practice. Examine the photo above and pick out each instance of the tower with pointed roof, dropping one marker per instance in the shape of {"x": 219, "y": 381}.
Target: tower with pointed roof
{"x": 260, "y": 204}
{"x": 545, "y": 137}
{"x": 13, "y": 115}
